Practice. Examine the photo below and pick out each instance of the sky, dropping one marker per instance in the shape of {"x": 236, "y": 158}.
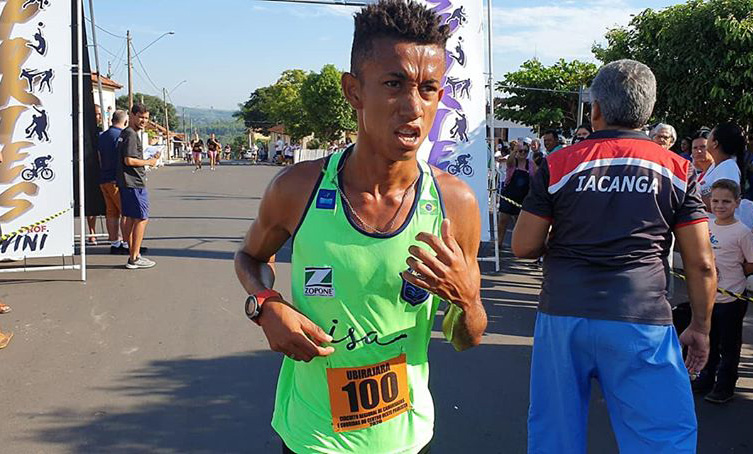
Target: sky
{"x": 225, "y": 50}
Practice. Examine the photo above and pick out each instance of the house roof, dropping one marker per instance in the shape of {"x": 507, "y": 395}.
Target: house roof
{"x": 106, "y": 82}
{"x": 279, "y": 129}
{"x": 151, "y": 124}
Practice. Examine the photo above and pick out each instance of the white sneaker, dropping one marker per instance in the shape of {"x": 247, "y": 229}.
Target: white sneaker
{"x": 140, "y": 262}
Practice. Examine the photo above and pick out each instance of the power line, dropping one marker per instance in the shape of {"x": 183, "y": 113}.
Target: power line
{"x": 105, "y": 49}
{"x": 142, "y": 77}
{"x": 106, "y": 31}
{"x": 138, "y": 58}
{"x": 120, "y": 62}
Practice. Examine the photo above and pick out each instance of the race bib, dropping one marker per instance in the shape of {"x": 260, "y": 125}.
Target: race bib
{"x": 365, "y": 396}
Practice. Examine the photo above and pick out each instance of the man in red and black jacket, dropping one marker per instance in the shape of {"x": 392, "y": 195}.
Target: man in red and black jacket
{"x": 613, "y": 202}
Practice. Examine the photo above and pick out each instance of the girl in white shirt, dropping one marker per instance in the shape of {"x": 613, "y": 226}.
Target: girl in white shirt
{"x": 726, "y": 145}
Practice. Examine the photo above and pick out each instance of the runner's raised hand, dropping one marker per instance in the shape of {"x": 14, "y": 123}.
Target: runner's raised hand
{"x": 445, "y": 274}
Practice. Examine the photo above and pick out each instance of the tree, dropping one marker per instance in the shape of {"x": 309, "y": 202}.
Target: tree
{"x": 329, "y": 113}
{"x": 239, "y": 143}
{"x": 284, "y": 106}
{"x": 544, "y": 109}
{"x": 255, "y": 112}
{"x": 702, "y": 55}
{"x": 156, "y": 109}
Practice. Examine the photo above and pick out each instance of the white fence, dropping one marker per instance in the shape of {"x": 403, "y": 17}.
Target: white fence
{"x": 309, "y": 155}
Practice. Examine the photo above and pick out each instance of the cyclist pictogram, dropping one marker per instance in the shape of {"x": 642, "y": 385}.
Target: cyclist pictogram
{"x": 39, "y": 169}
{"x": 461, "y": 166}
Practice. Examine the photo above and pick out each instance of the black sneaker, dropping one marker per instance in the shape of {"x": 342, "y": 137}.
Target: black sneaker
{"x": 119, "y": 250}
{"x": 720, "y": 396}
{"x": 703, "y": 384}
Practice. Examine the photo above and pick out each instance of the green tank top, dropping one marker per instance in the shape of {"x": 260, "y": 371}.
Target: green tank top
{"x": 348, "y": 282}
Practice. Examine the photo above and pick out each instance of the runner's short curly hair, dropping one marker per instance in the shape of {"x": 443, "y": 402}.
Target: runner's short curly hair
{"x": 404, "y": 20}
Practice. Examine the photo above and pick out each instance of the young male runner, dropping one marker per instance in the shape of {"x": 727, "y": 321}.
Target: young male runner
{"x": 356, "y": 333}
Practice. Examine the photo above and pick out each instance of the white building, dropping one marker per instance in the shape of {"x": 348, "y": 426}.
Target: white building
{"x": 109, "y": 87}
{"x": 508, "y": 130}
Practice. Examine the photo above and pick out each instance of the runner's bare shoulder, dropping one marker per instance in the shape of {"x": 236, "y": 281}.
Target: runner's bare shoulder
{"x": 289, "y": 191}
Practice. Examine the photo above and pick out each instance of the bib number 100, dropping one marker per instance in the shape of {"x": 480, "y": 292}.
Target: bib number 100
{"x": 368, "y": 393}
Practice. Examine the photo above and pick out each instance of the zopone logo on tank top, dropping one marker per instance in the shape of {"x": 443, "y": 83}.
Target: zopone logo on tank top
{"x": 318, "y": 282}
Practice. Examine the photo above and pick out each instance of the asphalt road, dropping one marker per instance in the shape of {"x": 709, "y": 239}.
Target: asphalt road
{"x": 164, "y": 361}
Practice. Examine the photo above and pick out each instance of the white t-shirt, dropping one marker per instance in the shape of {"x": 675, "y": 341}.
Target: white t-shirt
{"x": 727, "y": 169}
{"x": 732, "y": 245}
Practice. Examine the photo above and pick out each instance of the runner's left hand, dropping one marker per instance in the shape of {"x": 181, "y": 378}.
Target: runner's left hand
{"x": 445, "y": 274}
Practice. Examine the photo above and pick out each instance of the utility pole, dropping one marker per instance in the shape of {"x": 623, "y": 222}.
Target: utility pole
{"x": 102, "y": 109}
{"x": 580, "y": 106}
{"x": 167, "y": 123}
{"x": 130, "y": 72}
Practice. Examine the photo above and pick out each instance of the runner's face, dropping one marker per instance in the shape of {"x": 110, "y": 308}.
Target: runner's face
{"x": 399, "y": 91}
{"x": 723, "y": 204}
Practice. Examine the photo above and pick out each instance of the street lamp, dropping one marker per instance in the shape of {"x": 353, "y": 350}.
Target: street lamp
{"x": 176, "y": 87}
{"x": 150, "y": 44}
{"x": 130, "y": 64}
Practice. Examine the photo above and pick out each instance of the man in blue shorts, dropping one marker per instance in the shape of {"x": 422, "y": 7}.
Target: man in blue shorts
{"x": 613, "y": 202}
{"x": 131, "y": 179}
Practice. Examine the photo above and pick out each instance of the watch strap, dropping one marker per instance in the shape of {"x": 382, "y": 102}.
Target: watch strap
{"x": 260, "y": 297}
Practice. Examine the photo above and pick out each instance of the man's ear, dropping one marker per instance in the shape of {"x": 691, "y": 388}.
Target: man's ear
{"x": 596, "y": 117}
{"x": 352, "y": 90}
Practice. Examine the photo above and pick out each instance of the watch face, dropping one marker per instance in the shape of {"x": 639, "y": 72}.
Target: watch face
{"x": 252, "y": 307}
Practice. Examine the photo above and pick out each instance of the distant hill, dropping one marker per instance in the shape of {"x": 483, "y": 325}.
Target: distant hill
{"x": 206, "y": 116}
{"x": 220, "y": 122}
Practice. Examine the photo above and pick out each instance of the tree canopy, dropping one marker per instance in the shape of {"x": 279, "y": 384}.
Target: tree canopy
{"x": 254, "y": 113}
{"x": 328, "y": 112}
{"x": 529, "y": 103}
{"x": 304, "y": 103}
{"x": 156, "y": 108}
{"x": 702, "y": 55}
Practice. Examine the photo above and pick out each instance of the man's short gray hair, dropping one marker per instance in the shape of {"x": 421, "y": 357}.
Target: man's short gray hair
{"x": 626, "y": 93}
{"x": 659, "y": 127}
{"x": 119, "y": 117}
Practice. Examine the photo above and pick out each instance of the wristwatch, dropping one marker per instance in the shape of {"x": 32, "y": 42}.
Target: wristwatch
{"x": 256, "y": 301}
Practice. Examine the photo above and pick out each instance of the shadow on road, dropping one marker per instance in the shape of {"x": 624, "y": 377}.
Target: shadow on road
{"x": 210, "y": 405}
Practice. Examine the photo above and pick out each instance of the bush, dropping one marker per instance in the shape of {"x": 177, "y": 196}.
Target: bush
{"x": 314, "y": 144}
